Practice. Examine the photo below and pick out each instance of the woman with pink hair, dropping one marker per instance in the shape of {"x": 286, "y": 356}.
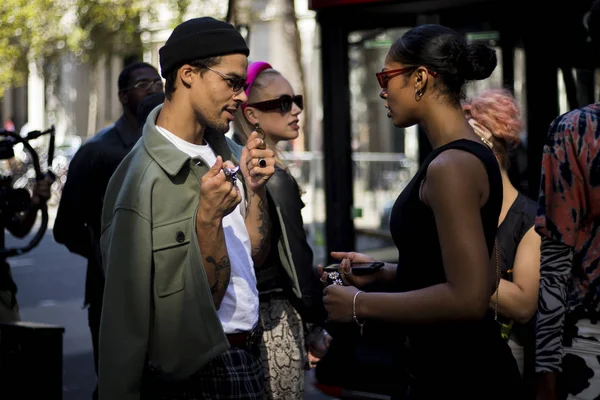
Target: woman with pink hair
{"x": 496, "y": 117}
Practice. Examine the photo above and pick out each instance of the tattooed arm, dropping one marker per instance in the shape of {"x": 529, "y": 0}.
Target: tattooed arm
{"x": 217, "y": 199}
{"x": 258, "y": 223}
{"x": 211, "y": 240}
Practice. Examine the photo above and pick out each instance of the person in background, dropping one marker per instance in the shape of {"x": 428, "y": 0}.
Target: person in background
{"x": 77, "y": 224}
{"x": 18, "y": 225}
{"x": 568, "y": 219}
{"x": 495, "y": 116}
{"x": 146, "y": 106}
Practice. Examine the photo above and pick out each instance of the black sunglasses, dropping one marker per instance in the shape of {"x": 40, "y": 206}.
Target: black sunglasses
{"x": 236, "y": 83}
{"x": 282, "y": 104}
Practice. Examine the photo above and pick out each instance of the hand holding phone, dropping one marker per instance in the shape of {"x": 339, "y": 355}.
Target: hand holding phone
{"x": 356, "y": 274}
{"x": 361, "y": 269}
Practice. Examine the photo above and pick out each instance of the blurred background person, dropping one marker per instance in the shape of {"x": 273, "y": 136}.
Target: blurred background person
{"x": 568, "y": 219}
{"x": 77, "y": 224}
{"x": 496, "y": 117}
{"x": 18, "y": 225}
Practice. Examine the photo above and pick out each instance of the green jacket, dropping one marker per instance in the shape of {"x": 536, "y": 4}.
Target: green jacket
{"x": 157, "y": 305}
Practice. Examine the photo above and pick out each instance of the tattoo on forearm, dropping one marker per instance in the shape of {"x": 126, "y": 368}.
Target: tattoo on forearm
{"x": 214, "y": 288}
{"x": 264, "y": 230}
{"x": 222, "y": 275}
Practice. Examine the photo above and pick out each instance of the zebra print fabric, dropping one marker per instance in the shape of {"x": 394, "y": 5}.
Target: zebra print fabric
{"x": 568, "y": 219}
{"x": 555, "y": 274}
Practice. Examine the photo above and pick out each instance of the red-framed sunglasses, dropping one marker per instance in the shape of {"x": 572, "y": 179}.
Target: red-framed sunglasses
{"x": 282, "y": 104}
{"x": 384, "y": 77}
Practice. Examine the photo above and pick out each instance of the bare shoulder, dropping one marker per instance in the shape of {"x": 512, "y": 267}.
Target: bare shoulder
{"x": 456, "y": 169}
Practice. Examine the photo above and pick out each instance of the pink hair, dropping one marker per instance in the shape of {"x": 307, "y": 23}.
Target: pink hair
{"x": 497, "y": 111}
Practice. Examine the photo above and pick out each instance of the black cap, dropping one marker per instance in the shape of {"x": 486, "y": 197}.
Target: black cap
{"x": 200, "y": 38}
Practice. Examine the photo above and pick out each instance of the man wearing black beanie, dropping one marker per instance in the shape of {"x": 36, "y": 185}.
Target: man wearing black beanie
{"x": 181, "y": 229}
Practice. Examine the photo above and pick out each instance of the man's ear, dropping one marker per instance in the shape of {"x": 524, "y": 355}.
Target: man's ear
{"x": 186, "y": 75}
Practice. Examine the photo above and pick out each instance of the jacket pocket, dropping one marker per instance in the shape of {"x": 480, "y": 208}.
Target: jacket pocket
{"x": 170, "y": 246}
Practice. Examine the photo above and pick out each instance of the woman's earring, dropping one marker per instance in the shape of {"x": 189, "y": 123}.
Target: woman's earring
{"x": 261, "y": 135}
{"x": 418, "y": 94}
{"x": 258, "y": 130}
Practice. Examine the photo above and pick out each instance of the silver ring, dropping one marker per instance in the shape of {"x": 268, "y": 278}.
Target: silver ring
{"x": 262, "y": 162}
{"x": 230, "y": 174}
{"x": 335, "y": 278}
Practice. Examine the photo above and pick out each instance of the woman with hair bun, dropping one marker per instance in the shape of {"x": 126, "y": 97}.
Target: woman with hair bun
{"x": 444, "y": 225}
{"x": 496, "y": 117}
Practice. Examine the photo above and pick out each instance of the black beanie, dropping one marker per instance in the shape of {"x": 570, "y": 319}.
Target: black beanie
{"x": 200, "y": 38}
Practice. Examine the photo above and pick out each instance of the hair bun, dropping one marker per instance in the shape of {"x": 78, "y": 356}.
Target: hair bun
{"x": 476, "y": 61}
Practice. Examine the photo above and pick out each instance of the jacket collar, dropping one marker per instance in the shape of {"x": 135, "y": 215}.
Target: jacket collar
{"x": 169, "y": 157}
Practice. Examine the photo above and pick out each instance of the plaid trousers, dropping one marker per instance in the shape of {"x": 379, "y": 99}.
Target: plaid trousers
{"x": 234, "y": 375}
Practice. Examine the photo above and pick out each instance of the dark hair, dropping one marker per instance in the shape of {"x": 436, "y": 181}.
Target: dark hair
{"x": 146, "y": 106}
{"x": 201, "y": 64}
{"x": 446, "y": 52}
{"x": 125, "y": 75}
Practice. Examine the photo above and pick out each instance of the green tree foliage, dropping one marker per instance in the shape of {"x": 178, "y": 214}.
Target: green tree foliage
{"x": 180, "y": 8}
{"x": 29, "y": 30}
{"x": 106, "y": 27}
{"x": 42, "y": 30}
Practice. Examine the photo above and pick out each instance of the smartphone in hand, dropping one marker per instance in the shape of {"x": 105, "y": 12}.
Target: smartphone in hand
{"x": 358, "y": 269}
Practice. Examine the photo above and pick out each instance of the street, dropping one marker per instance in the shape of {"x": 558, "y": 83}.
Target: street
{"x": 51, "y": 287}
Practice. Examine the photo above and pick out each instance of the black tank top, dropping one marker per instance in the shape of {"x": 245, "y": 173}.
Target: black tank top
{"x": 519, "y": 219}
{"x": 449, "y": 358}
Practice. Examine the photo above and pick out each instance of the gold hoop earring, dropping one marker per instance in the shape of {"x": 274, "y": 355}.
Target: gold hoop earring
{"x": 418, "y": 94}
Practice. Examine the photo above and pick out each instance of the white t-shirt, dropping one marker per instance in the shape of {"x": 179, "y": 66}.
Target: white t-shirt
{"x": 239, "y": 308}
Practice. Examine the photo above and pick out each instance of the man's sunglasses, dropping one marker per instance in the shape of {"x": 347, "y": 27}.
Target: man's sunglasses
{"x": 282, "y": 104}
{"x": 236, "y": 83}
{"x": 384, "y": 77}
{"x": 145, "y": 85}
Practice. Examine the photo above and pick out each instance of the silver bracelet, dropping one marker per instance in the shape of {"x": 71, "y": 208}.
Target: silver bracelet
{"x": 360, "y": 324}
